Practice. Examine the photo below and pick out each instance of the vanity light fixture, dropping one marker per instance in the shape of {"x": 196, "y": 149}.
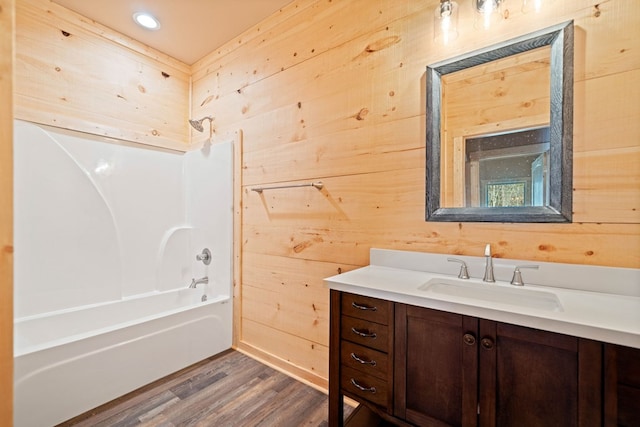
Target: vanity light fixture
{"x": 488, "y": 12}
{"x": 146, "y": 20}
{"x": 445, "y": 21}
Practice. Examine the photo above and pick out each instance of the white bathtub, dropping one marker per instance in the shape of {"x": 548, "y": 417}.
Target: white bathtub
{"x": 71, "y": 361}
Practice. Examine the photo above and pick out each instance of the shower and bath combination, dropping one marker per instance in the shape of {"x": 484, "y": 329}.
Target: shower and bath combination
{"x": 128, "y": 310}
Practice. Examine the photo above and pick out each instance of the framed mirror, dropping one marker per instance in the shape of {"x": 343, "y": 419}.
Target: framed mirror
{"x": 500, "y": 132}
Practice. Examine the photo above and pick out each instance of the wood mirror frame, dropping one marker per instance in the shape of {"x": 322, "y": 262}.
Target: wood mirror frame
{"x": 560, "y": 40}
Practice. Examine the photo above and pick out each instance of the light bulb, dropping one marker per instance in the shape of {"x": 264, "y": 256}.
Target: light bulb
{"x": 488, "y": 12}
{"x": 146, "y": 20}
{"x": 445, "y": 21}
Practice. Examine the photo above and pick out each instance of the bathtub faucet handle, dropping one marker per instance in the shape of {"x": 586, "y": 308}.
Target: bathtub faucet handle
{"x": 205, "y": 256}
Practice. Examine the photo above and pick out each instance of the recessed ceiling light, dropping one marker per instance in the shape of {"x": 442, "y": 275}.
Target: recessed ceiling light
{"x": 146, "y": 20}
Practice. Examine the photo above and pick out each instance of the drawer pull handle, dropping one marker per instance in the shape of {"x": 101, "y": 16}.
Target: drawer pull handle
{"x": 363, "y": 307}
{"x": 361, "y": 388}
{"x": 366, "y": 334}
{"x": 362, "y": 361}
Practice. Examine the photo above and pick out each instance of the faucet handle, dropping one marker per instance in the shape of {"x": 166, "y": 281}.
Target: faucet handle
{"x": 516, "y": 280}
{"x": 205, "y": 256}
{"x": 464, "y": 273}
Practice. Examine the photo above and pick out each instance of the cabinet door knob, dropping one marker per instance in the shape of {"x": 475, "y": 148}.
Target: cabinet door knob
{"x": 362, "y": 388}
{"x": 469, "y": 339}
{"x": 487, "y": 343}
{"x": 364, "y": 334}
{"x": 363, "y": 307}
{"x": 362, "y": 361}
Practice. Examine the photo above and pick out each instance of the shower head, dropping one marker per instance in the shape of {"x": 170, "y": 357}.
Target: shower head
{"x": 197, "y": 124}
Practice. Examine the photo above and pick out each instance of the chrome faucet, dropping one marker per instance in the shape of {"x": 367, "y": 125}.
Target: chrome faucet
{"x": 195, "y": 282}
{"x": 488, "y": 267}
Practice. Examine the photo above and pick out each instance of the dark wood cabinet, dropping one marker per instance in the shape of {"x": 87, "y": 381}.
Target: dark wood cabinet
{"x": 455, "y": 370}
{"x": 435, "y": 370}
{"x": 622, "y": 386}
{"x": 446, "y": 369}
{"x": 361, "y": 353}
{"x": 529, "y": 377}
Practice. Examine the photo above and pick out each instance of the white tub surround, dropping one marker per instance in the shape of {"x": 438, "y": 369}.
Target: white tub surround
{"x": 98, "y": 220}
{"x": 600, "y": 303}
{"x": 106, "y": 238}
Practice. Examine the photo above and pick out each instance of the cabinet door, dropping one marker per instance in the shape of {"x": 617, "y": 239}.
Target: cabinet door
{"x": 530, "y": 377}
{"x": 622, "y": 386}
{"x": 435, "y": 378}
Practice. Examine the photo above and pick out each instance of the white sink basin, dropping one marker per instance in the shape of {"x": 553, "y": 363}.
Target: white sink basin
{"x": 519, "y": 296}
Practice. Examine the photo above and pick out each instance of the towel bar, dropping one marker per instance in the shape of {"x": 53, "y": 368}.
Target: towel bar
{"x": 317, "y": 185}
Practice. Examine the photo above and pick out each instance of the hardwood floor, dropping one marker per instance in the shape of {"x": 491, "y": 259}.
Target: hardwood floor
{"x": 230, "y": 389}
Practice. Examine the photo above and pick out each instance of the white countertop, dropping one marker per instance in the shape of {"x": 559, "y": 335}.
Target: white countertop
{"x": 603, "y": 316}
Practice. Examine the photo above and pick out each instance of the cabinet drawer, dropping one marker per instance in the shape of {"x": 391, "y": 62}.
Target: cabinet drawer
{"x": 366, "y": 308}
{"x": 364, "y": 359}
{"x": 365, "y": 333}
{"x": 368, "y": 387}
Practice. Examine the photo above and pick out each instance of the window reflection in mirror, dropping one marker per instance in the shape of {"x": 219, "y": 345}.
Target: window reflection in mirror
{"x": 505, "y": 170}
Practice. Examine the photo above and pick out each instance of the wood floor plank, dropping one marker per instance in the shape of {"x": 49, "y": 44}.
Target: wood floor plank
{"x": 299, "y": 404}
{"x": 227, "y": 390}
{"x": 124, "y": 418}
{"x": 158, "y": 410}
{"x": 288, "y": 405}
{"x": 142, "y": 394}
{"x": 187, "y": 388}
{"x": 251, "y": 401}
{"x": 235, "y": 391}
{"x": 228, "y": 412}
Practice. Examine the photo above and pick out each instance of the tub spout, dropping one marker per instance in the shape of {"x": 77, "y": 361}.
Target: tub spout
{"x": 195, "y": 282}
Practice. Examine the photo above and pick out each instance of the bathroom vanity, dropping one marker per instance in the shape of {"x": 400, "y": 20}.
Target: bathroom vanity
{"x": 415, "y": 345}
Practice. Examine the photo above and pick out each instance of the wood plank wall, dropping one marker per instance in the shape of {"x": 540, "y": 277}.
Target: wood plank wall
{"x": 335, "y": 91}
{"x": 7, "y": 9}
{"x": 74, "y": 73}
